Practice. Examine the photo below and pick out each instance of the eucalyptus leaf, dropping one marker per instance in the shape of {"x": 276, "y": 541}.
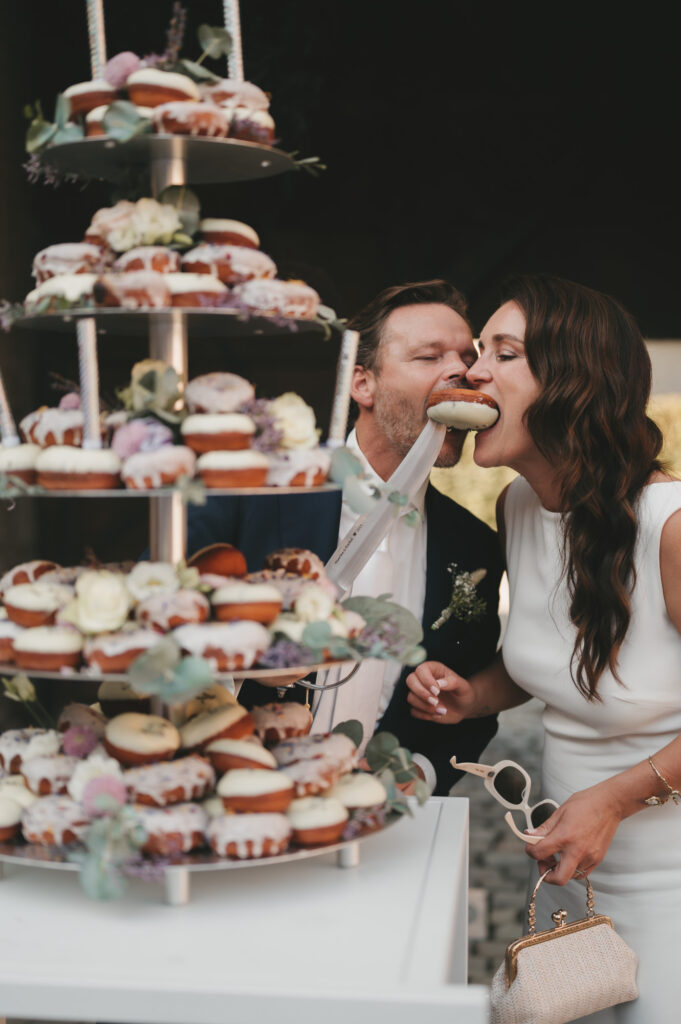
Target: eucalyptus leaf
{"x": 39, "y": 134}
{"x": 357, "y": 496}
{"x": 69, "y": 133}
{"x": 197, "y": 74}
{"x": 215, "y": 41}
{"x": 421, "y": 791}
{"x": 413, "y": 518}
{"x": 396, "y": 498}
{"x": 181, "y": 241}
{"x": 159, "y": 661}
{"x": 317, "y": 634}
{"x": 344, "y": 464}
{"x": 191, "y": 676}
{"x": 352, "y": 728}
{"x": 415, "y": 655}
{"x": 122, "y": 121}
{"x": 188, "y": 209}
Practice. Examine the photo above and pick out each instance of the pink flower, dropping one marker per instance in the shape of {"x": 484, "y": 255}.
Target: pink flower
{"x": 143, "y": 435}
{"x": 70, "y": 401}
{"x": 118, "y": 69}
{"x": 79, "y": 741}
{"x": 104, "y": 796}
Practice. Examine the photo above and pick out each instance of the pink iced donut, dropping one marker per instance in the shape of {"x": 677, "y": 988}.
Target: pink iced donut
{"x": 170, "y": 782}
{"x": 164, "y": 612}
{"x": 217, "y": 392}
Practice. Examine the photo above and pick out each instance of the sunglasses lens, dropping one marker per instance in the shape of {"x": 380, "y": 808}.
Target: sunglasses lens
{"x": 510, "y": 784}
{"x": 541, "y": 813}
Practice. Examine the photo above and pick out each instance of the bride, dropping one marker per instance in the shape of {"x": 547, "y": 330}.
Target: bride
{"x": 592, "y": 530}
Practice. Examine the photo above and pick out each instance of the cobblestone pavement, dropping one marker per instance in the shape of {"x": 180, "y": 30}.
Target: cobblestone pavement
{"x": 499, "y": 867}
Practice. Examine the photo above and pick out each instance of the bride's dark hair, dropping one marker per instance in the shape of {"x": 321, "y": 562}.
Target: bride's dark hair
{"x": 590, "y": 423}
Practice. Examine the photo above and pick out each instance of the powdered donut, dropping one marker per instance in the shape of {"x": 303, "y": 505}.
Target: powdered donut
{"x": 184, "y": 117}
{"x": 115, "y": 652}
{"x": 231, "y": 264}
{"x": 462, "y": 409}
{"x": 141, "y": 739}
{"x": 49, "y": 776}
{"x": 9, "y": 631}
{"x": 170, "y": 782}
{"x": 233, "y": 468}
{"x": 163, "y": 612}
{"x": 54, "y": 821}
{"x": 48, "y": 648}
{"x": 171, "y": 830}
{"x": 68, "y": 258}
{"x": 35, "y": 604}
{"x": 220, "y": 231}
{"x": 217, "y": 393}
{"x": 18, "y": 462}
{"x": 18, "y": 746}
{"x": 66, "y": 290}
{"x": 228, "y": 721}
{"x": 246, "y": 836}
{"x": 293, "y": 299}
{"x": 86, "y": 96}
{"x": 277, "y": 722}
{"x": 228, "y": 645}
{"x": 150, "y": 87}
{"x": 196, "y": 290}
{"x": 65, "y": 468}
{"x": 225, "y": 754}
{"x": 255, "y": 791}
{"x": 224, "y": 431}
{"x": 317, "y": 821}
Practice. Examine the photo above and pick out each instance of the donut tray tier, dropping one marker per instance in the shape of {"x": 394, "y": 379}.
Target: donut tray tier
{"x": 176, "y": 877}
{"x": 166, "y": 492}
{"x": 87, "y": 675}
{"x": 207, "y": 323}
{"x": 204, "y": 161}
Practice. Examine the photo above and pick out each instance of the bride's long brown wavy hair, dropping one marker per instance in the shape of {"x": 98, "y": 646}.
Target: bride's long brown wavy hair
{"x": 590, "y": 423}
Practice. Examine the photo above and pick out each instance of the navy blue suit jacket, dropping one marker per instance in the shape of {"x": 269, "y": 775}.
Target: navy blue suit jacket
{"x": 259, "y": 525}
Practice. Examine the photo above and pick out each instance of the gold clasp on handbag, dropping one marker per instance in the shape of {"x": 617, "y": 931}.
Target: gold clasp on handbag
{"x": 559, "y": 918}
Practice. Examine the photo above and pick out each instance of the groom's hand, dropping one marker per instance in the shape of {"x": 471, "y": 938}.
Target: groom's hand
{"x": 437, "y": 694}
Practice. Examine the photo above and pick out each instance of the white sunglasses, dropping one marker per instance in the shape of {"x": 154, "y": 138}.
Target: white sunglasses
{"x": 510, "y": 785}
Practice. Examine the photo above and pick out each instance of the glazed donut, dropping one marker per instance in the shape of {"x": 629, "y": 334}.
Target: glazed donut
{"x": 36, "y": 604}
{"x": 219, "y": 231}
{"x": 296, "y": 560}
{"x": 72, "y": 290}
{"x": 46, "y": 427}
{"x": 18, "y": 461}
{"x": 82, "y": 716}
{"x": 54, "y": 821}
{"x": 247, "y": 836}
{"x": 252, "y": 125}
{"x": 462, "y": 409}
{"x": 171, "y": 830}
{"x": 230, "y": 93}
{"x": 240, "y": 600}
{"x": 231, "y": 264}
{"x": 20, "y": 745}
{"x": 160, "y": 468}
{"x": 302, "y": 468}
{"x": 229, "y": 646}
{"x": 115, "y": 652}
{"x": 317, "y": 820}
{"x": 255, "y": 791}
{"x": 163, "y": 612}
{"x": 149, "y": 87}
{"x": 49, "y": 776}
{"x": 10, "y": 818}
{"x": 141, "y": 739}
{"x": 68, "y": 258}
{"x": 219, "y": 560}
{"x": 9, "y": 631}
{"x": 116, "y": 697}
{"x": 334, "y": 747}
{"x": 225, "y": 754}
{"x": 245, "y": 468}
{"x": 158, "y": 258}
{"x": 229, "y": 721}
{"x": 310, "y": 778}
{"x": 277, "y": 722}
{"x": 293, "y": 299}
{"x": 171, "y": 782}
{"x": 136, "y": 289}
{"x": 14, "y": 787}
{"x": 222, "y": 431}
{"x": 288, "y": 584}
{"x": 196, "y": 290}
{"x": 185, "y": 117}
{"x": 217, "y": 393}
{"x": 86, "y": 96}
{"x": 61, "y": 467}
{"x": 48, "y": 648}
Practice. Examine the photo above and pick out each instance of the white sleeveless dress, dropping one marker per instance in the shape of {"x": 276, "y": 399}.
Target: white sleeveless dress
{"x": 638, "y": 884}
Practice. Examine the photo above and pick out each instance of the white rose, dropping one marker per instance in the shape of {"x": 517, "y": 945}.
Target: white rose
{"x": 289, "y": 626}
{"x": 123, "y": 238}
{"x": 155, "y": 222}
{"x": 313, "y": 604}
{"x": 150, "y": 578}
{"x": 93, "y": 767}
{"x": 346, "y": 623}
{"x": 295, "y": 419}
{"x": 101, "y": 604}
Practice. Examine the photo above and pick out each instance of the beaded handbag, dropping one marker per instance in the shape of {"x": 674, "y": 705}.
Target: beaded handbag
{"x": 563, "y": 973}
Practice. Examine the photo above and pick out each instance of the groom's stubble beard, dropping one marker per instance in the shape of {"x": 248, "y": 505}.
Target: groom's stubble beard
{"x": 401, "y": 418}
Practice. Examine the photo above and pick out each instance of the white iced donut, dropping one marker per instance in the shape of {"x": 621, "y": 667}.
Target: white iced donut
{"x": 462, "y": 409}
{"x": 246, "y": 836}
{"x": 134, "y": 739}
{"x": 217, "y": 392}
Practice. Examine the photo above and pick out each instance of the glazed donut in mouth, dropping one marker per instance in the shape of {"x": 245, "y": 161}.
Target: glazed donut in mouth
{"x": 462, "y": 409}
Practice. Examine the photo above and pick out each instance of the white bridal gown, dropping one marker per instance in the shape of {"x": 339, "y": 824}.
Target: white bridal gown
{"x": 638, "y": 884}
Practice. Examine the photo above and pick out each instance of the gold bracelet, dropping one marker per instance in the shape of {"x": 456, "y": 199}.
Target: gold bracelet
{"x": 656, "y": 801}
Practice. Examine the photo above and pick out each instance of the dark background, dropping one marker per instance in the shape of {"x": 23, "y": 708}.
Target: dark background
{"x": 463, "y": 139}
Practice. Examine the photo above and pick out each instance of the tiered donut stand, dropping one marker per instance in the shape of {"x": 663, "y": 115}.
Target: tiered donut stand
{"x": 171, "y": 160}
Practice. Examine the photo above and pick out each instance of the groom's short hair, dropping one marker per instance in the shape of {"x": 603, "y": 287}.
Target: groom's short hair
{"x": 370, "y": 321}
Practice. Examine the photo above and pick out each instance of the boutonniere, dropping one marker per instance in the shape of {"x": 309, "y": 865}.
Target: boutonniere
{"x": 465, "y": 604}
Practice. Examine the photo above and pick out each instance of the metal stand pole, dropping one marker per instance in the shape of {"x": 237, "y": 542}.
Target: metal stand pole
{"x": 96, "y": 36}
{"x": 170, "y": 169}
{"x": 235, "y": 60}
{"x": 348, "y": 856}
{"x": 8, "y": 428}
{"x": 341, "y": 398}
{"x": 86, "y": 331}
{"x": 177, "y": 886}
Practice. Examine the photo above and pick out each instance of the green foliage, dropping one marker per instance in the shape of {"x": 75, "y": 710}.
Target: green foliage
{"x": 162, "y": 671}
{"x": 394, "y": 766}
{"x": 122, "y": 121}
{"x": 215, "y": 41}
{"x": 344, "y": 464}
{"x": 40, "y": 132}
{"x": 109, "y": 842}
{"x": 352, "y": 729}
{"x": 19, "y": 688}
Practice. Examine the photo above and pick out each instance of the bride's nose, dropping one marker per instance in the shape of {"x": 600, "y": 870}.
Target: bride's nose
{"x": 478, "y": 373}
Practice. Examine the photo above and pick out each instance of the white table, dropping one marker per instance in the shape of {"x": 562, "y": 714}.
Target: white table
{"x": 298, "y": 943}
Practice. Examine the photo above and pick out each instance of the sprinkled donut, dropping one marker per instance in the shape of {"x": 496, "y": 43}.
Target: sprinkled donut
{"x": 170, "y": 782}
{"x": 217, "y": 392}
{"x": 20, "y": 745}
{"x": 160, "y": 468}
{"x": 335, "y": 747}
{"x": 54, "y": 821}
{"x": 228, "y": 645}
{"x": 170, "y": 830}
{"x": 48, "y": 776}
{"x": 247, "y": 836}
{"x": 277, "y": 722}
{"x": 135, "y": 739}
{"x": 163, "y": 612}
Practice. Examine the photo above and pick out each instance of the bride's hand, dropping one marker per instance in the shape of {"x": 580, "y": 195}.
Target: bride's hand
{"x": 437, "y": 694}
{"x": 580, "y": 831}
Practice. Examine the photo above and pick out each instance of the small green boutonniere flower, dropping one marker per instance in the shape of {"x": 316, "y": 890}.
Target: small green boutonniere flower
{"x": 465, "y": 603}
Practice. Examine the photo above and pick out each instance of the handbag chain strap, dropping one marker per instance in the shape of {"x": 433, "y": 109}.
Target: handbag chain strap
{"x": 560, "y": 916}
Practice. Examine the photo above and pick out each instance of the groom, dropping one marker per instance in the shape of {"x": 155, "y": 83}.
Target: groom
{"x": 414, "y": 339}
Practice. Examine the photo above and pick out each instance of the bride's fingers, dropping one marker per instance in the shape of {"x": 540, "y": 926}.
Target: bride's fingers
{"x": 418, "y": 704}
{"x": 426, "y": 679}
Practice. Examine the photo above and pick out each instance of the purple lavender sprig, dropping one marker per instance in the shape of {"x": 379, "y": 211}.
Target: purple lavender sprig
{"x": 175, "y": 34}
{"x": 145, "y": 869}
{"x": 37, "y": 172}
{"x": 267, "y": 434}
{"x": 285, "y": 654}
